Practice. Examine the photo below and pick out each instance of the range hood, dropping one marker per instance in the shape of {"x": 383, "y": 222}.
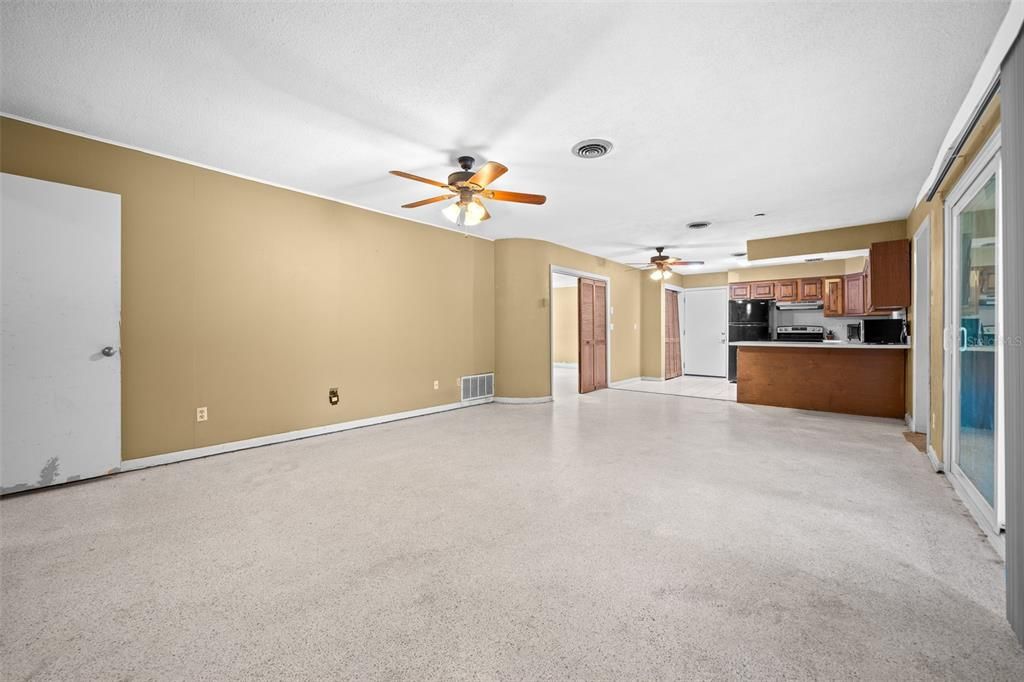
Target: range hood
{"x": 801, "y": 305}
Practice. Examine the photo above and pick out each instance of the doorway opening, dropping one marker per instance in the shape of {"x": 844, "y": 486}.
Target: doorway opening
{"x": 580, "y": 332}
{"x": 564, "y": 335}
{"x": 696, "y": 346}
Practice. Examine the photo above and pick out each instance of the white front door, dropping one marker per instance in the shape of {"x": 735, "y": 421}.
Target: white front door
{"x": 706, "y": 332}
{"x": 61, "y": 308}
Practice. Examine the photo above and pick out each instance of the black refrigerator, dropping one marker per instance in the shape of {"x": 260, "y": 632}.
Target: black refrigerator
{"x": 748, "y": 321}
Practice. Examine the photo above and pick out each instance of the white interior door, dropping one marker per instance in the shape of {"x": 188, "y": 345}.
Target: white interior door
{"x": 61, "y": 308}
{"x": 706, "y": 332}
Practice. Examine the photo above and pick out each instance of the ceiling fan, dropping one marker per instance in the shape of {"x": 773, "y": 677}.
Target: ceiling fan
{"x": 468, "y": 189}
{"x": 663, "y": 264}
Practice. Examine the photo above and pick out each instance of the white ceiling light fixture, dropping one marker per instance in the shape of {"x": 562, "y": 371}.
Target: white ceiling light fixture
{"x": 465, "y": 213}
{"x": 661, "y": 274}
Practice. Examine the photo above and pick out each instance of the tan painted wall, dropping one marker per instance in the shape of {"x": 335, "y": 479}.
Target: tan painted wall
{"x": 709, "y": 279}
{"x": 652, "y": 315}
{"x": 565, "y": 303}
{"x": 523, "y": 314}
{"x": 253, "y": 300}
{"x": 825, "y": 241}
{"x": 935, "y": 210}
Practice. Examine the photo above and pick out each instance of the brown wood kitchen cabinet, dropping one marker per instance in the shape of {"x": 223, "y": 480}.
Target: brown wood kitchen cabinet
{"x": 887, "y": 276}
{"x": 810, "y": 289}
{"x": 739, "y": 291}
{"x": 833, "y": 298}
{"x": 787, "y": 290}
{"x": 853, "y": 294}
{"x": 762, "y": 290}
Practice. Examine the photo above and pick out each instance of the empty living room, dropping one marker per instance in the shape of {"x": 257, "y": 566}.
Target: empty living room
{"x": 512, "y": 340}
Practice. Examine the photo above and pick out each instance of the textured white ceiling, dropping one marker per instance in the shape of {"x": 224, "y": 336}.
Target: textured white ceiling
{"x": 819, "y": 115}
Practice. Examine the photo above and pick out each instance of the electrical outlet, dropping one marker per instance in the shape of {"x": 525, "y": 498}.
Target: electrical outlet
{"x": 437, "y": 384}
{"x": 332, "y": 396}
{"x": 201, "y": 415}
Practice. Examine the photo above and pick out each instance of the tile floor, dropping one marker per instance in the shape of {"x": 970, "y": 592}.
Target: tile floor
{"x": 611, "y": 536}
{"x": 715, "y": 388}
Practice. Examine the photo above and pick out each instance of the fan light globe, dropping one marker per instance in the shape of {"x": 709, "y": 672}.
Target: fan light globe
{"x": 474, "y": 212}
{"x": 656, "y": 275}
{"x": 452, "y": 211}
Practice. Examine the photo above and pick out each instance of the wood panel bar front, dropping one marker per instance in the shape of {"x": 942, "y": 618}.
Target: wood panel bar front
{"x": 868, "y": 382}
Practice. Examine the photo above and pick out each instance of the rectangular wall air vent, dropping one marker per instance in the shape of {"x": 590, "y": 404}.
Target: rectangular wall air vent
{"x": 478, "y": 386}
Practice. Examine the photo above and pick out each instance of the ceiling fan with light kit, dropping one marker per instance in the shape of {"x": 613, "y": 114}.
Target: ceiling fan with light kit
{"x": 661, "y": 265}
{"x": 468, "y": 189}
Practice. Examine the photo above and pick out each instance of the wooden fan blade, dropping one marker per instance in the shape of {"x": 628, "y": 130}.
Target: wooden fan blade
{"x": 410, "y": 176}
{"x": 490, "y": 172}
{"x": 517, "y": 197}
{"x": 431, "y": 200}
{"x": 686, "y": 262}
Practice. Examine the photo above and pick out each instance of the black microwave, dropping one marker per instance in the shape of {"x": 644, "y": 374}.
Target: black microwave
{"x": 885, "y": 331}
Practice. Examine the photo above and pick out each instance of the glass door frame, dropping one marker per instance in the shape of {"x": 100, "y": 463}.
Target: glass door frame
{"x": 987, "y": 163}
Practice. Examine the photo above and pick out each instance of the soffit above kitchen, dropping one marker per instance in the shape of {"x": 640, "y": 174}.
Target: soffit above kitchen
{"x": 818, "y": 115}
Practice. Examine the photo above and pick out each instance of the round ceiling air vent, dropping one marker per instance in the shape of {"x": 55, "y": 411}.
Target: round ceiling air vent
{"x": 591, "y": 149}
{"x": 699, "y": 225}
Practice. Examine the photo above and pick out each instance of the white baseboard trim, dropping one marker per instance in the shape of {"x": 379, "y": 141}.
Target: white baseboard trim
{"x": 524, "y": 401}
{"x": 934, "y": 459}
{"x": 995, "y": 538}
{"x": 652, "y": 378}
{"x": 221, "y": 448}
{"x": 566, "y": 365}
{"x": 623, "y": 382}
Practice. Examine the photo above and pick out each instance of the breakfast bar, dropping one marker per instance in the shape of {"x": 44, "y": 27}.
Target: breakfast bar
{"x": 849, "y": 378}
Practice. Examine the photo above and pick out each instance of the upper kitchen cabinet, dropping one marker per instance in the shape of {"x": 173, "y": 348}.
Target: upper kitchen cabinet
{"x": 762, "y": 290}
{"x": 811, "y": 290}
{"x": 887, "y": 270}
{"x": 739, "y": 291}
{"x": 833, "y": 296}
{"x": 787, "y": 290}
{"x": 853, "y": 294}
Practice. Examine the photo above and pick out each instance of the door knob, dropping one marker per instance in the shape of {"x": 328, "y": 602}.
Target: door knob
{"x": 108, "y": 351}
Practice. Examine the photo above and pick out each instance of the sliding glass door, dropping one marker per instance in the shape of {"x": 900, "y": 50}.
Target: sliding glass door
{"x": 974, "y": 357}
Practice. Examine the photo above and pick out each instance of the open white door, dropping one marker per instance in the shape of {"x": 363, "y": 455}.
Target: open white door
{"x": 61, "y": 308}
{"x": 706, "y": 331}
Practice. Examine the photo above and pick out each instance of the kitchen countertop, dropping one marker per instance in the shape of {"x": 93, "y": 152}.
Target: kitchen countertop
{"x": 842, "y": 345}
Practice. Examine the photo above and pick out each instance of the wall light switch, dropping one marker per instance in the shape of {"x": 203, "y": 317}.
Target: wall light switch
{"x": 437, "y": 384}
{"x": 201, "y": 415}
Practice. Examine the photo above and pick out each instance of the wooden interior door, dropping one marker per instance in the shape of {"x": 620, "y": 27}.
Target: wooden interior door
{"x": 593, "y": 296}
{"x": 586, "y": 331}
{"x": 673, "y": 345}
{"x": 600, "y": 334}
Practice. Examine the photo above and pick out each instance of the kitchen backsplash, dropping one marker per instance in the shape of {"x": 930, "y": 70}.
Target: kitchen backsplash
{"x": 812, "y": 317}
